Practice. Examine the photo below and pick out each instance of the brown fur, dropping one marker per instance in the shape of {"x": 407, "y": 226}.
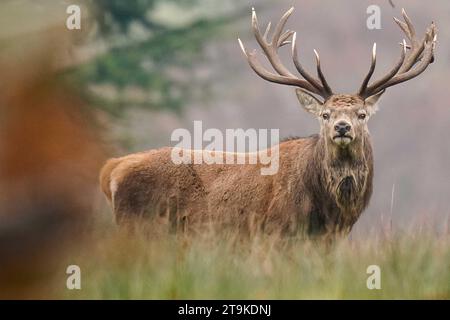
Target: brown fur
{"x": 319, "y": 189}
{"x": 105, "y": 177}
{"x": 345, "y": 100}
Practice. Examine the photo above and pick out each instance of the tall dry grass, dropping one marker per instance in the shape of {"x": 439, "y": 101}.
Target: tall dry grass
{"x": 221, "y": 264}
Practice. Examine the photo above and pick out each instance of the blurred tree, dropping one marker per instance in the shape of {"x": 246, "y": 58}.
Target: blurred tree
{"x": 151, "y": 46}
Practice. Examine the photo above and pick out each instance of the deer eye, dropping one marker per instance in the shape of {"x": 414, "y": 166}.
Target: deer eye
{"x": 325, "y": 116}
{"x": 362, "y": 116}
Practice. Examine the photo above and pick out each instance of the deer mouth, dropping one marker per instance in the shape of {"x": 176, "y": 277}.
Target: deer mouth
{"x": 342, "y": 139}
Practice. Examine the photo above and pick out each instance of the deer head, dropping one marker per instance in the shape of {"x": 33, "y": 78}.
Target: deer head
{"x": 343, "y": 117}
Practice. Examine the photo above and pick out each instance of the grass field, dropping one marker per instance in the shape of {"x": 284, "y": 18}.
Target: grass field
{"x": 217, "y": 265}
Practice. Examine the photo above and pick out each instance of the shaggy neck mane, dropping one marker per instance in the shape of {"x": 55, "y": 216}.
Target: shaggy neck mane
{"x": 345, "y": 173}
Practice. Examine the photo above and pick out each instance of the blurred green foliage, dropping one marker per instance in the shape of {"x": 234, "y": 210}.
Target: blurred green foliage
{"x": 171, "y": 41}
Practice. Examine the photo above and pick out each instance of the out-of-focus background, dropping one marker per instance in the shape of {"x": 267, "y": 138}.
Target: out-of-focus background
{"x": 139, "y": 69}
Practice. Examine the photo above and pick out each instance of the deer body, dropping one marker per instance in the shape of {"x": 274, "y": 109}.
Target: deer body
{"x": 323, "y": 183}
{"x": 315, "y": 191}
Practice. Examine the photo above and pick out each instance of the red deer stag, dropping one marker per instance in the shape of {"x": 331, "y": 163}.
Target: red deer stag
{"x": 324, "y": 182}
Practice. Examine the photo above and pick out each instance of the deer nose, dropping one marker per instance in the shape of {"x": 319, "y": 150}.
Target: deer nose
{"x": 342, "y": 127}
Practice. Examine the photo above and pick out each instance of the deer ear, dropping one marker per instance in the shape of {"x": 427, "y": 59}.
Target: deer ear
{"x": 372, "y": 102}
{"x": 309, "y": 102}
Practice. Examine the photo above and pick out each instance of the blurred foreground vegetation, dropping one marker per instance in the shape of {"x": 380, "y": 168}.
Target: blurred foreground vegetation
{"x": 118, "y": 265}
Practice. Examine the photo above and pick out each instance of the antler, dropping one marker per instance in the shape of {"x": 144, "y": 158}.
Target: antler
{"x": 270, "y": 49}
{"x": 410, "y": 65}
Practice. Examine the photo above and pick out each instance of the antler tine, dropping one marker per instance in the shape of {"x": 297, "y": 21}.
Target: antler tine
{"x": 266, "y": 33}
{"x": 271, "y": 77}
{"x": 282, "y": 41}
{"x": 299, "y": 66}
{"x": 431, "y": 30}
{"x": 404, "y": 28}
{"x": 280, "y": 26}
{"x": 409, "y": 23}
{"x": 421, "y": 67}
{"x": 416, "y": 45}
{"x": 282, "y": 75}
{"x": 371, "y": 89}
{"x": 325, "y": 85}
{"x": 270, "y": 49}
{"x": 417, "y": 48}
{"x": 371, "y": 70}
{"x": 410, "y": 65}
